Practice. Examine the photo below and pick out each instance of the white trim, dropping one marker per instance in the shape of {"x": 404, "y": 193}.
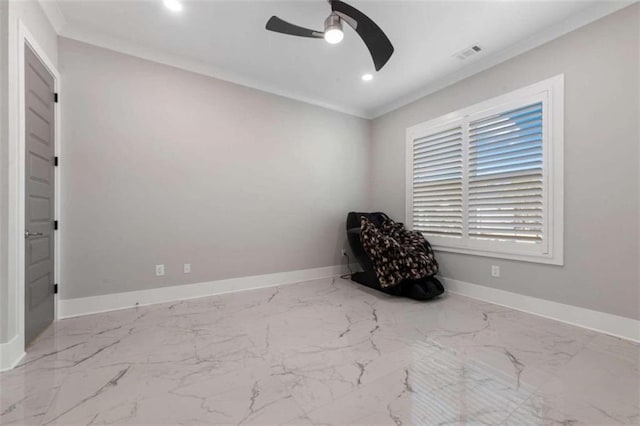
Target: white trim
{"x": 156, "y": 55}
{"x": 497, "y": 255}
{"x": 598, "y": 11}
{"x": 16, "y": 177}
{"x": 11, "y": 353}
{"x": 551, "y": 93}
{"x": 625, "y": 328}
{"x": 116, "y": 301}
{"x": 57, "y": 176}
{"x": 56, "y": 18}
{"x": 586, "y": 17}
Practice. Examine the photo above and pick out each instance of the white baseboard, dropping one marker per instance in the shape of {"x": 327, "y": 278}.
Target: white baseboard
{"x": 625, "y": 328}
{"x": 11, "y": 353}
{"x": 68, "y": 308}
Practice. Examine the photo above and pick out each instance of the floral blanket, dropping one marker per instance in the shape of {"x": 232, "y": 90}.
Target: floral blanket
{"x": 397, "y": 254}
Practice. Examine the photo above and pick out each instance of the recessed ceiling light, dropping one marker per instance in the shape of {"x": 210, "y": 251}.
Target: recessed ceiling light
{"x": 173, "y": 5}
{"x": 367, "y": 77}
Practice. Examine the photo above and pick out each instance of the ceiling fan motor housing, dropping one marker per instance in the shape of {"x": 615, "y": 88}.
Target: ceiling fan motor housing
{"x": 332, "y": 22}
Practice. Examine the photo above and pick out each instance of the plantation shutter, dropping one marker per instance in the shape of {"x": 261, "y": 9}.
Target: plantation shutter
{"x": 487, "y": 179}
{"x": 437, "y": 182}
{"x": 505, "y": 169}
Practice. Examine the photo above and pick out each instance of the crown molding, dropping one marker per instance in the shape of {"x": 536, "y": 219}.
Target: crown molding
{"x": 599, "y": 10}
{"x": 119, "y": 45}
{"x": 75, "y": 32}
{"x": 53, "y": 13}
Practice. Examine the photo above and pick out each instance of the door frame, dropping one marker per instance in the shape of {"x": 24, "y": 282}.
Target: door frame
{"x": 17, "y": 190}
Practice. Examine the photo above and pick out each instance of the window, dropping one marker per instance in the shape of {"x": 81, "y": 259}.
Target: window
{"x": 487, "y": 179}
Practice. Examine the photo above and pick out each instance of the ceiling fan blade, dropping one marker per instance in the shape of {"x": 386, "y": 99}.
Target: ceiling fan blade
{"x": 377, "y": 42}
{"x": 279, "y": 26}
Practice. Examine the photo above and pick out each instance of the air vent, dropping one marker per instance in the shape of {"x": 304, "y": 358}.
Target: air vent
{"x": 468, "y": 52}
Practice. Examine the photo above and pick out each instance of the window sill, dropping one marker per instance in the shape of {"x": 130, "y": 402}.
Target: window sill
{"x": 549, "y": 260}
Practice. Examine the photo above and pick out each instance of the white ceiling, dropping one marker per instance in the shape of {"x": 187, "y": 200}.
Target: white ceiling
{"x": 227, "y": 39}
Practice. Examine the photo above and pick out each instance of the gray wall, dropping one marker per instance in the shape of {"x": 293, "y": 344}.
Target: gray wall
{"x": 602, "y": 111}
{"x": 164, "y": 166}
{"x": 32, "y": 16}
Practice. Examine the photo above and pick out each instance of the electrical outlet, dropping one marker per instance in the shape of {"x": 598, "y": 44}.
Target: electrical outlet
{"x": 344, "y": 252}
{"x": 495, "y": 271}
{"x": 187, "y": 268}
{"x": 159, "y": 270}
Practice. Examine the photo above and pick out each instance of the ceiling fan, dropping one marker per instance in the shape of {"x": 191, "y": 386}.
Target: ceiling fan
{"x": 377, "y": 42}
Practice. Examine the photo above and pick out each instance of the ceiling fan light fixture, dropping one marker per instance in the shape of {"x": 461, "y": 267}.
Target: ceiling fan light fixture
{"x": 333, "y": 36}
{"x": 333, "y": 29}
{"x": 371, "y": 34}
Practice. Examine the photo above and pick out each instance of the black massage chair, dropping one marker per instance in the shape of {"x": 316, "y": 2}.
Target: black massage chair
{"x": 422, "y": 289}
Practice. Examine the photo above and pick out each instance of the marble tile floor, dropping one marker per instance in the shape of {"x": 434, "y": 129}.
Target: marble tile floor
{"x": 322, "y": 352}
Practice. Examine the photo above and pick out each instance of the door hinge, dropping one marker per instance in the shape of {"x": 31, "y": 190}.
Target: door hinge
{"x": 55, "y": 97}
{"x": 55, "y": 289}
{"x": 55, "y": 161}
{"x": 55, "y": 225}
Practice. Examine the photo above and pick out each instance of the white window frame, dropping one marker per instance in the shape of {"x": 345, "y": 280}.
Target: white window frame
{"x": 551, "y": 93}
